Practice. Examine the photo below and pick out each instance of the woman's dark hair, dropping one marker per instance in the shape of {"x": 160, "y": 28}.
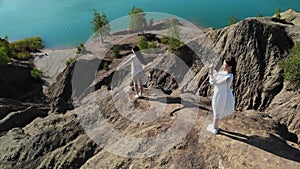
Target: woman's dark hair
{"x": 230, "y": 61}
{"x": 138, "y": 54}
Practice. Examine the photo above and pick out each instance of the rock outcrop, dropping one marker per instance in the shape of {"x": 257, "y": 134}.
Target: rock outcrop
{"x": 17, "y": 83}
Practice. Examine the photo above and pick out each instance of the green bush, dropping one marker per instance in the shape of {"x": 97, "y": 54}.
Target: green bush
{"x": 105, "y": 66}
{"x": 173, "y": 44}
{"x": 36, "y": 73}
{"x": 143, "y": 44}
{"x": 70, "y": 60}
{"x": 291, "y": 67}
{"x": 81, "y": 45}
{"x": 32, "y": 44}
{"x": 164, "y": 40}
{"x": 277, "y": 13}
{"x": 116, "y": 52}
{"x": 78, "y": 51}
{"x": 23, "y": 55}
{"x": 152, "y": 45}
{"x": 5, "y": 51}
{"x": 22, "y": 48}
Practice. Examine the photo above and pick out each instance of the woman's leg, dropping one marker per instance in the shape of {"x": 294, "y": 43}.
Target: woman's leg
{"x": 141, "y": 88}
{"x": 136, "y": 88}
{"x": 216, "y": 122}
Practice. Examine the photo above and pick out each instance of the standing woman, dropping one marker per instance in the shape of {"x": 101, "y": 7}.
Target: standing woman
{"x": 137, "y": 73}
{"x": 223, "y": 100}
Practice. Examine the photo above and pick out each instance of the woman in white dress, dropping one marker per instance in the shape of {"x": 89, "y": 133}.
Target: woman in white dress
{"x": 137, "y": 73}
{"x": 223, "y": 100}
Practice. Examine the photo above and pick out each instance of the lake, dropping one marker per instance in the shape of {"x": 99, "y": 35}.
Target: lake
{"x": 67, "y": 23}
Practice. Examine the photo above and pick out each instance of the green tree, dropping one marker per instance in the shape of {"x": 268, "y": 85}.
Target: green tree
{"x": 100, "y": 24}
{"x": 277, "y": 13}
{"x": 5, "y": 51}
{"x": 137, "y": 19}
{"x": 291, "y": 67}
{"x": 232, "y": 20}
{"x": 105, "y": 29}
{"x": 173, "y": 33}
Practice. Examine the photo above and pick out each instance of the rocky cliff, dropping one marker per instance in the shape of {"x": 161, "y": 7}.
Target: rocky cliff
{"x": 95, "y": 122}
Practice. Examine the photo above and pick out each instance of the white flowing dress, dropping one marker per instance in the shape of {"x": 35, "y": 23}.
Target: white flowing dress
{"x": 137, "y": 71}
{"x": 223, "y": 100}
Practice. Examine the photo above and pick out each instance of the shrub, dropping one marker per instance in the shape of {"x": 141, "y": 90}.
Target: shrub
{"x": 143, "y": 44}
{"x": 5, "y": 51}
{"x": 23, "y": 55}
{"x": 36, "y": 73}
{"x": 4, "y": 58}
{"x": 105, "y": 66}
{"x": 70, "y": 60}
{"x": 152, "y": 45}
{"x": 164, "y": 40}
{"x": 152, "y": 48}
{"x": 116, "y": 52}
{"x": 81, "y": 45}
{"x": 277, "y": 13}
{"x": 291, "y": 67}
{"x": 173, "y": 44}
{"x": 32, "y": 44}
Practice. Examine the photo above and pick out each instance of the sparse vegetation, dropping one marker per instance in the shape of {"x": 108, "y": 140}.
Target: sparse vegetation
{"x": 260, "y": 15}
{"x": 291, "y": 67}
{"x": 152, "y": 45}
{"x": 143, "y": 44}
{"x": 80, "y": 48}
{"x": 164, "y": 40}
{"x": 173, "y": 33}
{"x": 116, "y": 52}
{"x": 137, "y": 19}
{"x": 106, "y": 66}
{"x": 277, "y": 13}
{"x": 20, "y": 49}
{"x": 100, "y": 24}
{"x": 5, "y": 51}
{"x": 36, "y": 73}
{"x": 232, "y": 20}
{"x": 70, "y": 60}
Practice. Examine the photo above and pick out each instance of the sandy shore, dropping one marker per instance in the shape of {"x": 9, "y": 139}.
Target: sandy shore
{"x": 53, "y": 61}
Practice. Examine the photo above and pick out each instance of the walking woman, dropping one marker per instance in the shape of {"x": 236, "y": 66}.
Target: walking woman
{"x": 223, "y": 100}
{"x": 137, "y": 73}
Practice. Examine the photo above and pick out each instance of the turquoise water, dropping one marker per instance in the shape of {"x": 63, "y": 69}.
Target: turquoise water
{"x": 66, "y": 23}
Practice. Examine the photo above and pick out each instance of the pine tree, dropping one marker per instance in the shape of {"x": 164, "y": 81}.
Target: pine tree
{"x": 173, "y": 33}
{"x": 100, "y": 24}
{"x": 137, "y": 19}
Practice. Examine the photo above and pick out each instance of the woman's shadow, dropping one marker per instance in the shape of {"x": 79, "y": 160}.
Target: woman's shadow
{"x": 272, "y": 144}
